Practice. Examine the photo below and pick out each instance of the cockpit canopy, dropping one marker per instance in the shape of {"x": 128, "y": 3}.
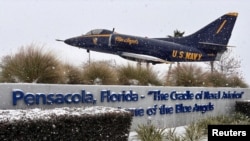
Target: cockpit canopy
{"x": 99, "y": 31}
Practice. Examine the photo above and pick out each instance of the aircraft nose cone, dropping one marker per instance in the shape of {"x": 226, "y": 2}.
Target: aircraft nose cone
{"x": 78, "y": 41}
{"x": 69, "y": 41}
{"x": 72, "y": 41}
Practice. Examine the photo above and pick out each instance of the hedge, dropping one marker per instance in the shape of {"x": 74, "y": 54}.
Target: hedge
{"x": 67, "y": 124}
{"x": 243, "y": 106}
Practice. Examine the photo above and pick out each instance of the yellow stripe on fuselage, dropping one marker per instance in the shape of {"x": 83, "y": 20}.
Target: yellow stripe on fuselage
{"x": 221, "y": 26}
{"x": 97, "y": 35}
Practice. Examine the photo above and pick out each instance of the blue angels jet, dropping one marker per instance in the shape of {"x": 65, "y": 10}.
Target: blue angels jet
{"x": 207, "y": 44}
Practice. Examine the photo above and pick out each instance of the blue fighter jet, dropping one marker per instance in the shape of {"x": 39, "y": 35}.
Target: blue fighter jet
{"x": 207, "y": 44}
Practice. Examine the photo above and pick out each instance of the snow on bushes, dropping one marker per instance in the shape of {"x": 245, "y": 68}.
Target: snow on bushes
{"x": 92, "y": 123}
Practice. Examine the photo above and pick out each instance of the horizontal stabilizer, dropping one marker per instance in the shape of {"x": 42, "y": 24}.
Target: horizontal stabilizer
{"x": 214, "y": 44}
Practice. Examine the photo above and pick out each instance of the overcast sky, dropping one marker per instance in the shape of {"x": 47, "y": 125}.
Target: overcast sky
{"x": 23, "y": 22}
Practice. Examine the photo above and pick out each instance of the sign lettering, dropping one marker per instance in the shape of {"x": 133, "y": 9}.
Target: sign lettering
{"x": 131, "y": 96}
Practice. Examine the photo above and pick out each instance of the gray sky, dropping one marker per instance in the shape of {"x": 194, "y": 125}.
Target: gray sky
{"x": 23, "y": 22}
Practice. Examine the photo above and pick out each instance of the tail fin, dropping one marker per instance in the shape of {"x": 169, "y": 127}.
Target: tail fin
{"x": 214, "y": 36}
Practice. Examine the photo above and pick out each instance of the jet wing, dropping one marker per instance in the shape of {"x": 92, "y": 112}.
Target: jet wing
{"x": 143, "y": 58}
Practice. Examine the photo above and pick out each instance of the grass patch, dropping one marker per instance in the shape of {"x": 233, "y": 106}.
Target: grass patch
{"x": 195, "y": 131}
{"x": 149, "y": 133}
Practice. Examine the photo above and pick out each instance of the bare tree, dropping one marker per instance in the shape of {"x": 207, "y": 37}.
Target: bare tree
{"x": 228, "y": 64}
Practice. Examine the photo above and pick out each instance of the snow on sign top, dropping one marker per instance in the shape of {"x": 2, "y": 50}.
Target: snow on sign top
{"x": 31, "y": 114}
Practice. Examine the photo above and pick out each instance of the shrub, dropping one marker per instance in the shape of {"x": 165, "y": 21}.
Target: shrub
{"x": 149, "y": 133}
{"x": 171, "y": 135}
{"x": 243, "y": 106}
{"x": 193, "y": 132}
{"x": 192, "y": 75}
{"x": 186, "y": 75}
{"x": 99, "y": 72}
{"x": 235, "y": 81}
{"x": 216, "y": 79}
{"x": 139, "y": 74}
{"x": 31, "y": 64}
{"x": 72, "y": 74}
{"x": 75, "y": 124}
